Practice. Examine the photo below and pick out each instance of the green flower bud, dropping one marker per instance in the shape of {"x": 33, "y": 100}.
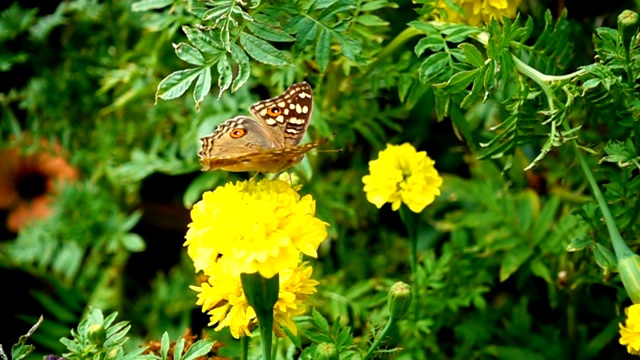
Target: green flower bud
{"x": 326, "y": 351}
{"x": 629, "y": 269}
{"x": 628, "y": 26}
{"x": 399, "y": 299}
{"x": 97, "y": 334}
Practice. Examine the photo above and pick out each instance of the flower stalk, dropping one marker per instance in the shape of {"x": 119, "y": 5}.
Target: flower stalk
{"x": 262, "y": 295}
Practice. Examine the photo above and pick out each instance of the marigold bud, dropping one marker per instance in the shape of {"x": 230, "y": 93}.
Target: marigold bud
{"x": 97, "y": 334}
{"x": 628, "y": 26}
{"x": 629, "y": 269}
{"x": 399, "y": 299}
{"x": 326, "y": 351}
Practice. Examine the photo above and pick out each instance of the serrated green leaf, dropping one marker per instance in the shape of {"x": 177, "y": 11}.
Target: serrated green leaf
{"x": 433, "y": 64}
{"x": 371, "y": 20}
{"x": 339, "y": 7}
{"x": 351, "y": 48}
{"x": 262, "y": 51}
{"x": 460, "y": 81}
{"x": 202, "y": 41}
{"x": 225, "y": 75}
{"x": 176, "y": 84}
{"x": 189, "y": 54}
{"x": 433, "y": 43}
{"x": 322, "y": 50}
{"x": 472, "y": 55}
{"x": 244, "y": 68}
{"x": 145, "y": 5}
{"x": 461, "y": 33}
{"x": 269, "y": 33}
{"x": 203, "y": 86}
{"x": 377, "y": 4}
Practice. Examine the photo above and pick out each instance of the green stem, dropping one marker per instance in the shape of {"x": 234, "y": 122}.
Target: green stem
{"x": 244, "y": 343}
{"x": 266, "y": 335}
{"x": 379, "y": 337}
{"x": 619, "y": 246}
{"x": 411, "y": 221}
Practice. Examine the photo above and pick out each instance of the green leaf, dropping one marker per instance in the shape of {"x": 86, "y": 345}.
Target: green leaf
{"x": 133, "y": 242}
{"x": 199, "y": 348}
{"x": 202, "y": 41}
{"x": 512, "y": 261}
{"x": 371, "y": 20}
{"x": 339, "y": 7}
{"x": 605, "y": 258}
{"x": 433, "y": 43}
{"x": 432, "y": 65}
{"x": 472, "y": 55}
{"x": 203, "y": 86}
{"x": 377, "y": 4}
{"x": 225, "y": 75}
{"x": 262, "y": 51}
{"x": 460, "y": 81}
{"x": 269, "y": 33}
{"x": 579, "y": 243}
{"x": 176, "y": 84}
{"x": 244, "y": 68}
{"x": 322, "y": 50}
{"x": 189, "y": 54}
{"x": 351, "y": 48}
{"x": 145, "y": 5}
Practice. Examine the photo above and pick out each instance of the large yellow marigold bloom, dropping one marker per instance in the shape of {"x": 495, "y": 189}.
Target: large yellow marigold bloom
{"x": 223, "y": 298}
{"x": 630, "y": 332}
{"x": 478, "y": 12}
{"x": 250, "y": 227}
{"x": 402, "y": 175}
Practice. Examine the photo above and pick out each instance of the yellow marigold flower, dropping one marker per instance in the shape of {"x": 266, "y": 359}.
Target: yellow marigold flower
{"x": 223, "y": 298}
{"x": 402, "y": 175}
{"x": 478, "y": 12}
{"x": 250, "y": 227}
{"x": 630, "y": 332}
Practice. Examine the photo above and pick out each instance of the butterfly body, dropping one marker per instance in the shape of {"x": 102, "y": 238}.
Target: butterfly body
{"x": 269, "y": 142}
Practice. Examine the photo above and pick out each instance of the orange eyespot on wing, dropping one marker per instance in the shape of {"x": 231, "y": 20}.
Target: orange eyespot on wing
{"x": 237, "y": 133}
{"x": 274, "y": 111}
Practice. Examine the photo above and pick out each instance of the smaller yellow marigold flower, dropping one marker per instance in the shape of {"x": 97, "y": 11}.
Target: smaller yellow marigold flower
{"x": 630, "y": 332}
{"x": 402, "y": 175}
{"x": 478, "y": 12}
{"x": 223, "y": 298}
{"x": 250, "y": 227}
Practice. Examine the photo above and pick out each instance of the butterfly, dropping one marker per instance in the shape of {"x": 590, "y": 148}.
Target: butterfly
{"x": 268, "y": 143}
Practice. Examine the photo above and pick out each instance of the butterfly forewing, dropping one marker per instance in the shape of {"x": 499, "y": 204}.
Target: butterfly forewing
{"x": 269, "y": 144}
{"x": 288, "y": 114}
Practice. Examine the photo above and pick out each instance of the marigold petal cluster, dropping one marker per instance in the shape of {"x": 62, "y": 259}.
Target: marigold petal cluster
{"x": 630, "y": 331}
{"x": 223, "y": 298}
{"x": 478, "y": 12}
{"x": 28, "y": 181}
{"x": 250, "y": 227}
{"x": 402, "y": 175}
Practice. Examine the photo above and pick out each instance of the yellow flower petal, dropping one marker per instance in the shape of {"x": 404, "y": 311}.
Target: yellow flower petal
{"x": 402, "y": 175}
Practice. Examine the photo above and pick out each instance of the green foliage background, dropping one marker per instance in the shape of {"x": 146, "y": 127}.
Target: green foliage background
{"x": 514, "y": 259}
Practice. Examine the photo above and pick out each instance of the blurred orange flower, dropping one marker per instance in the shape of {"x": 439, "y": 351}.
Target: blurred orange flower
{"x": 27, "y": 180}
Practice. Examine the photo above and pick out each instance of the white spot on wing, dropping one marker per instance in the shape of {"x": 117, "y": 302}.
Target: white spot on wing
{"x": 281, "y": 104}
{"x": 286, "y": 111}
{"x": 305, "y": 109}
{"x": 298, "y": 108}
{"x": 270, "y": 122}
{"x": 280, "y": 119}
{"x": 263, "y": 112}
{"x": 304, "y": 95}
{"x": 292, "y": 106}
